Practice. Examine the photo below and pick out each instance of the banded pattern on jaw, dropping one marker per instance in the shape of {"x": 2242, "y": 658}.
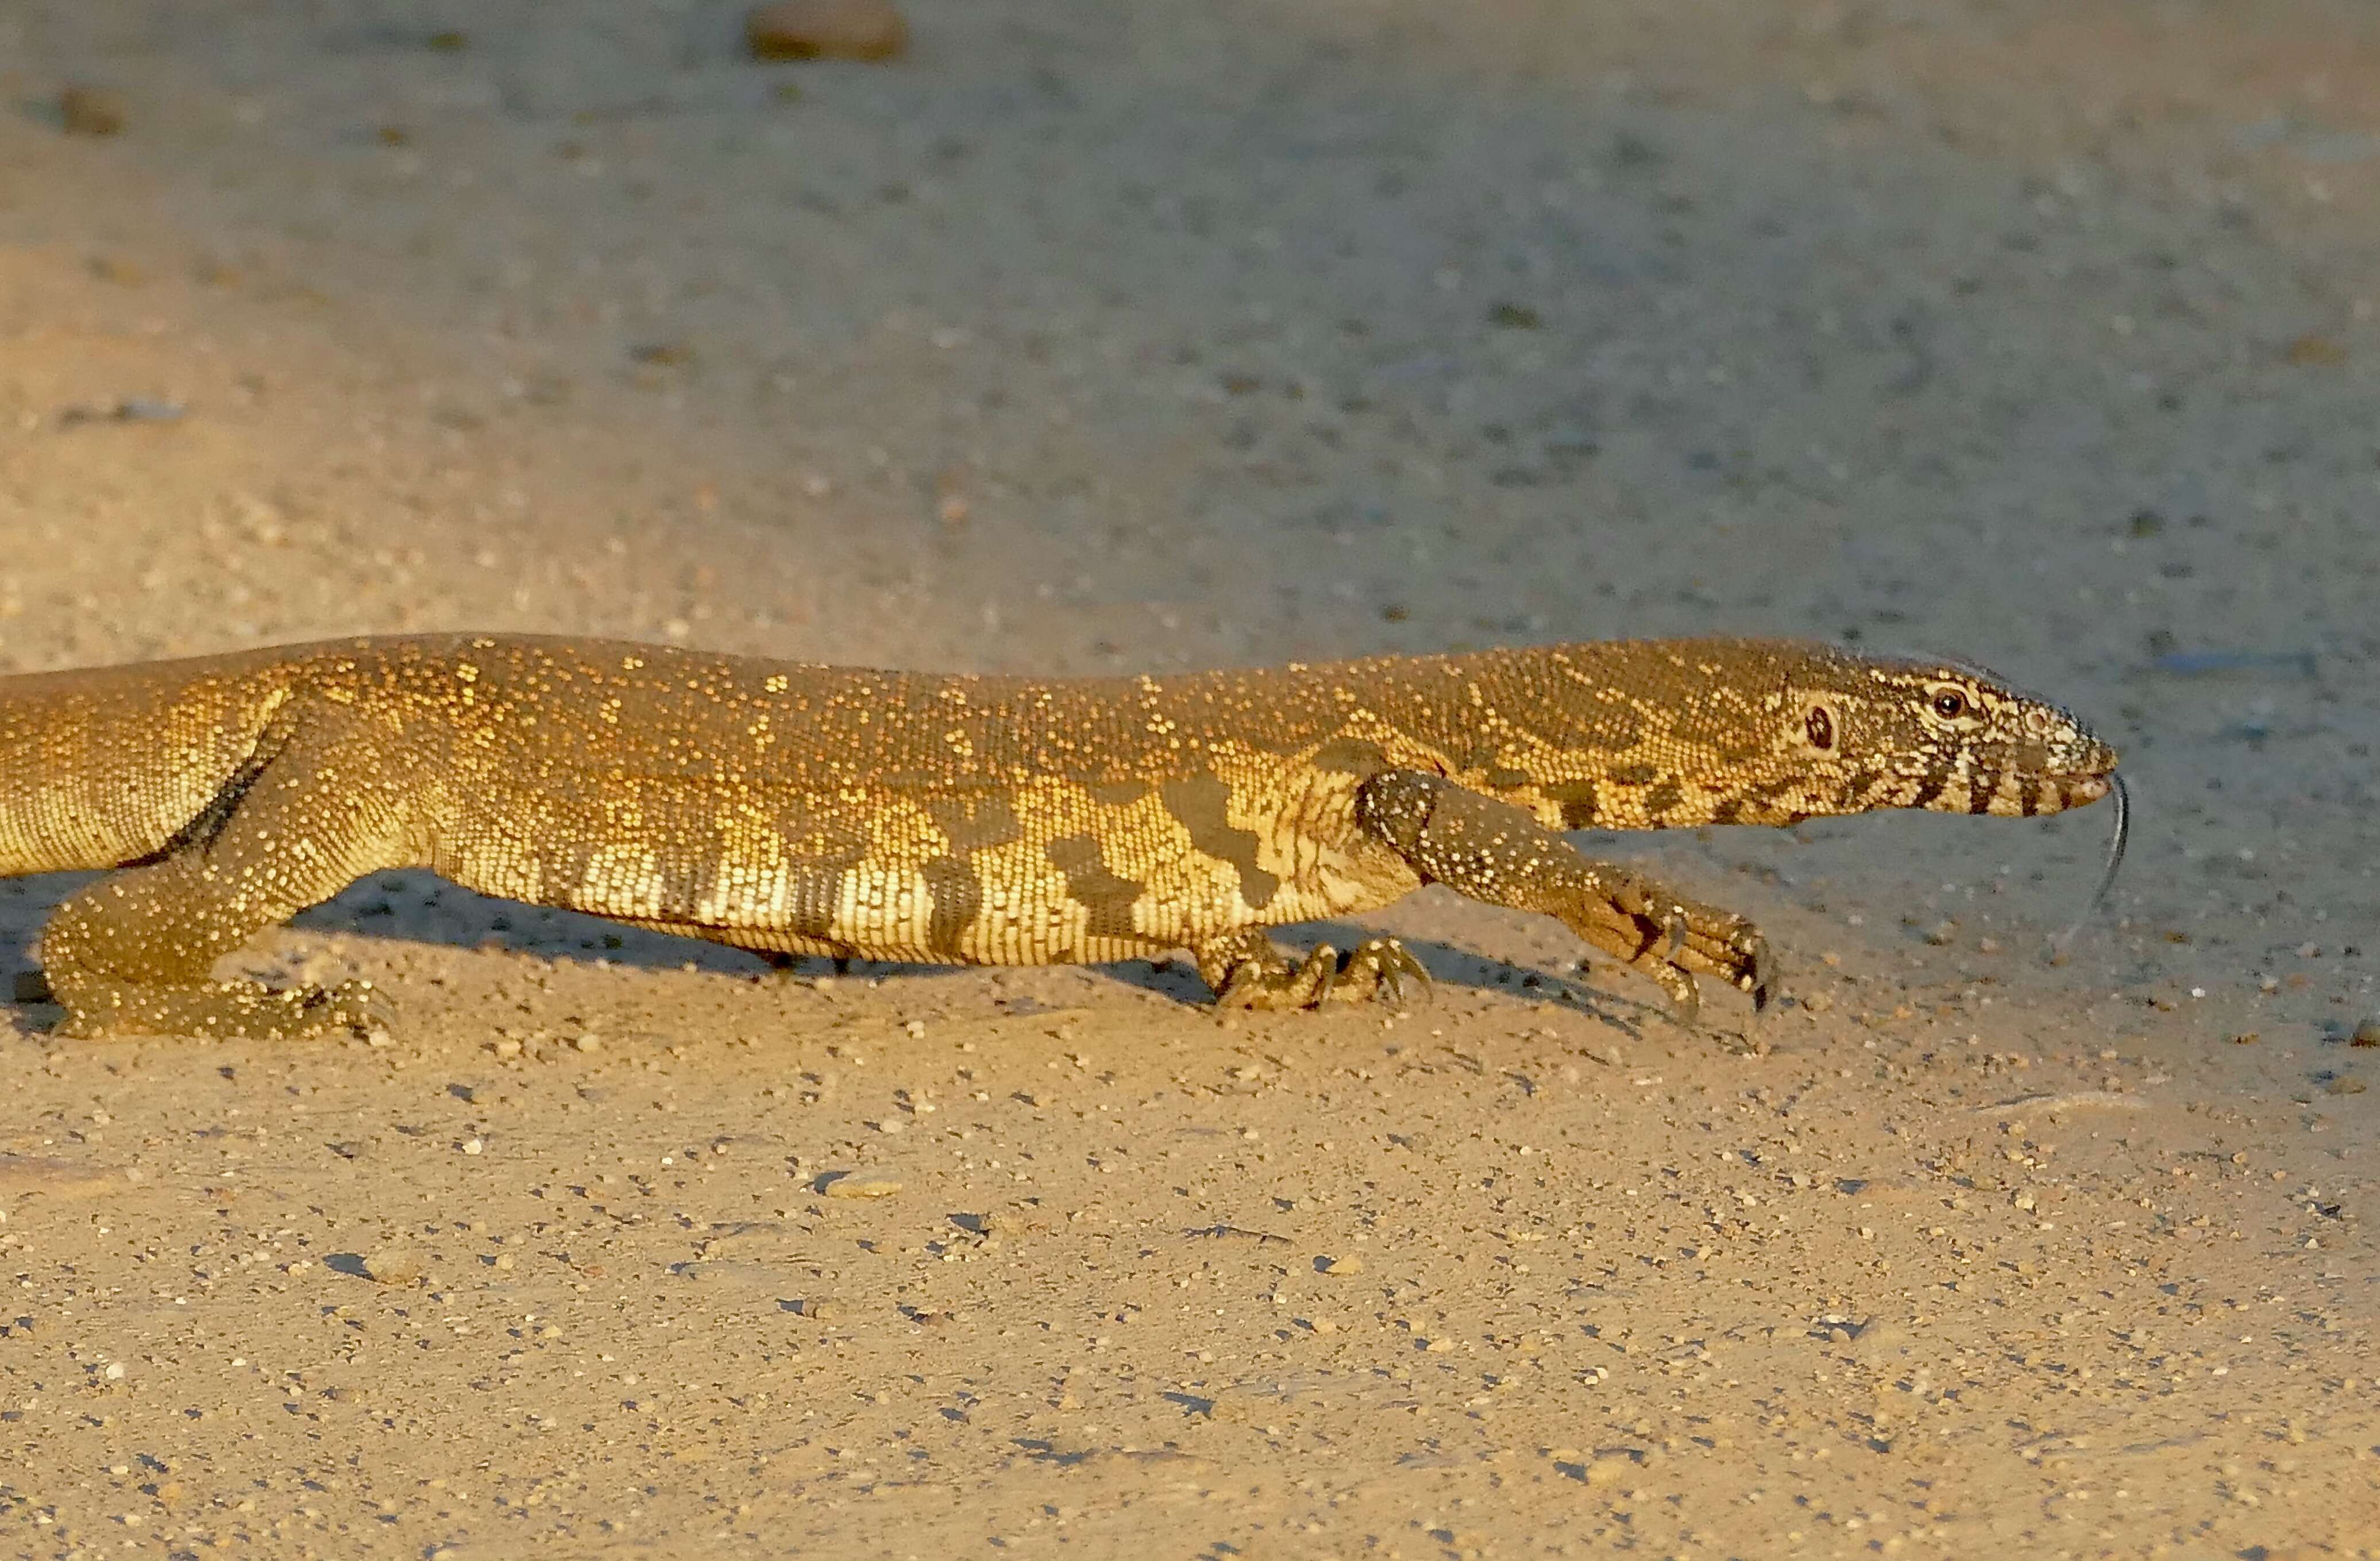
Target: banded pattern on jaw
{"x": 2012, "y": 794}
{"x": 2005, "y": 793}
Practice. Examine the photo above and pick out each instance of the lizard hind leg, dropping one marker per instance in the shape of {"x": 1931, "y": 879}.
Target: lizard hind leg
{"x": 134, "y": 951}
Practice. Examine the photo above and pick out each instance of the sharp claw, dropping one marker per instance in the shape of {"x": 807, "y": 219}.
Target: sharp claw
{"x": 1686, "y": 1003}
{"x": 1764, "y": 976}
{"x": 1677, "y": 923}
{"x": 1396, "y": 966}
{"x": 356, "y": 1006}
{"x": 1419, "y": 972}
{"x": 1329, "y": 959}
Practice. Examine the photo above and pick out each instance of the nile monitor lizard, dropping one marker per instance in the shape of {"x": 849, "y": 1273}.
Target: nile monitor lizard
{"x": 792, "y": 809}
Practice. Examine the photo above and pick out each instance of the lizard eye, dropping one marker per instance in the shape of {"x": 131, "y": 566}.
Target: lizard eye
{"x": 1820, "y": 726}
{"x": 1949, "y": 704}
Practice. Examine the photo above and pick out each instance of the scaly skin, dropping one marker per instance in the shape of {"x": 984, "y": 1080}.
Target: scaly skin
{"x": 793, "y": 809}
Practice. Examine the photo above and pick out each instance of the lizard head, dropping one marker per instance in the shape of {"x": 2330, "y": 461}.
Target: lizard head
{"x": 1655, "y": 734}
{"x": 1869, "y": 732}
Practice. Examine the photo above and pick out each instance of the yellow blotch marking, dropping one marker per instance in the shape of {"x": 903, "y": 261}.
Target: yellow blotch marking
{"x": 622, "y": 880}
{"x": 885, "y": 906}
{"x": 752, "y": 884}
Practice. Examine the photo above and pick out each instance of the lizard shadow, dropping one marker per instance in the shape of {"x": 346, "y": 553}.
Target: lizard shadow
{"x": 420, "y": 907}
{"x": 414, "y": 906}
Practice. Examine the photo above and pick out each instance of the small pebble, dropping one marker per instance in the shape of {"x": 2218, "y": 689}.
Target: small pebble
{"x": 806, "y": 29}
{"x": 858, "y": 1185}
{"x": 1610, "y": 1468}
{"x": 2367, "y": 1034}
{"x": 90, "y": 111}
{"x": 2344, "y": 1086}
{"x": 393, "y": 1267}
{"x": 1339, "y": 1267}
{"x": 587, "y": 1043}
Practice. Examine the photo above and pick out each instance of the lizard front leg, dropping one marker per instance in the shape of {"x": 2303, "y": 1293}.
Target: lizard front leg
{"x": 1493, "y": 852}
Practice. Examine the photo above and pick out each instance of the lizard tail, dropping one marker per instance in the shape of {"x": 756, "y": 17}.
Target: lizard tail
{"x": 108, "y": 765}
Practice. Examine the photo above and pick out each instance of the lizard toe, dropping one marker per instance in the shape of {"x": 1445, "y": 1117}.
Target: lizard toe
{"x": 1760, "y": 972}
{"x": 1318, "y": 977}
{"x": 1400, "y": 967}
{"x": 1380, "y": 966}
{"x": 357, "y": 1006}
{"x": 1277, "y": 984}
{"x": 1244, "y": 988}
{"x": 1685, "y": 997}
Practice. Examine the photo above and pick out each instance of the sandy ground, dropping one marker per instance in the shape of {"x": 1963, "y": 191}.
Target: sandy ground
{"x": 1090, "y": 337}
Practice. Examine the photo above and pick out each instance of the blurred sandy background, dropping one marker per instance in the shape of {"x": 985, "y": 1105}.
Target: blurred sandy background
{"x": 1088, "y": 337}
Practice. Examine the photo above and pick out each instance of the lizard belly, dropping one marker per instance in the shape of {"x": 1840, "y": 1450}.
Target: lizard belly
{"x": 1045, "y": 870}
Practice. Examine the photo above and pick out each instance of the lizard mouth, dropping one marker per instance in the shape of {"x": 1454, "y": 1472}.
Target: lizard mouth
{"x": 2019, "y": 794}
{"x": 2081, "y": 789}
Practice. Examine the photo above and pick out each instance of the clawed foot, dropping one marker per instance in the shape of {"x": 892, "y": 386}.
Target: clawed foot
{"x": 1271, "y": 981}
{"x": 228, "y": 1009}
{"x": 1673, "y": 939}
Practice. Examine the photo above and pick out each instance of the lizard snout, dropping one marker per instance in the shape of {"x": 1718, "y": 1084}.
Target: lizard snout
{"x": 2084, "y": 790}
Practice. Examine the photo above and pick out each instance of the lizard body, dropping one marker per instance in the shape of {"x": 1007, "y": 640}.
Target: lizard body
{"x": 798, "y": 809}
